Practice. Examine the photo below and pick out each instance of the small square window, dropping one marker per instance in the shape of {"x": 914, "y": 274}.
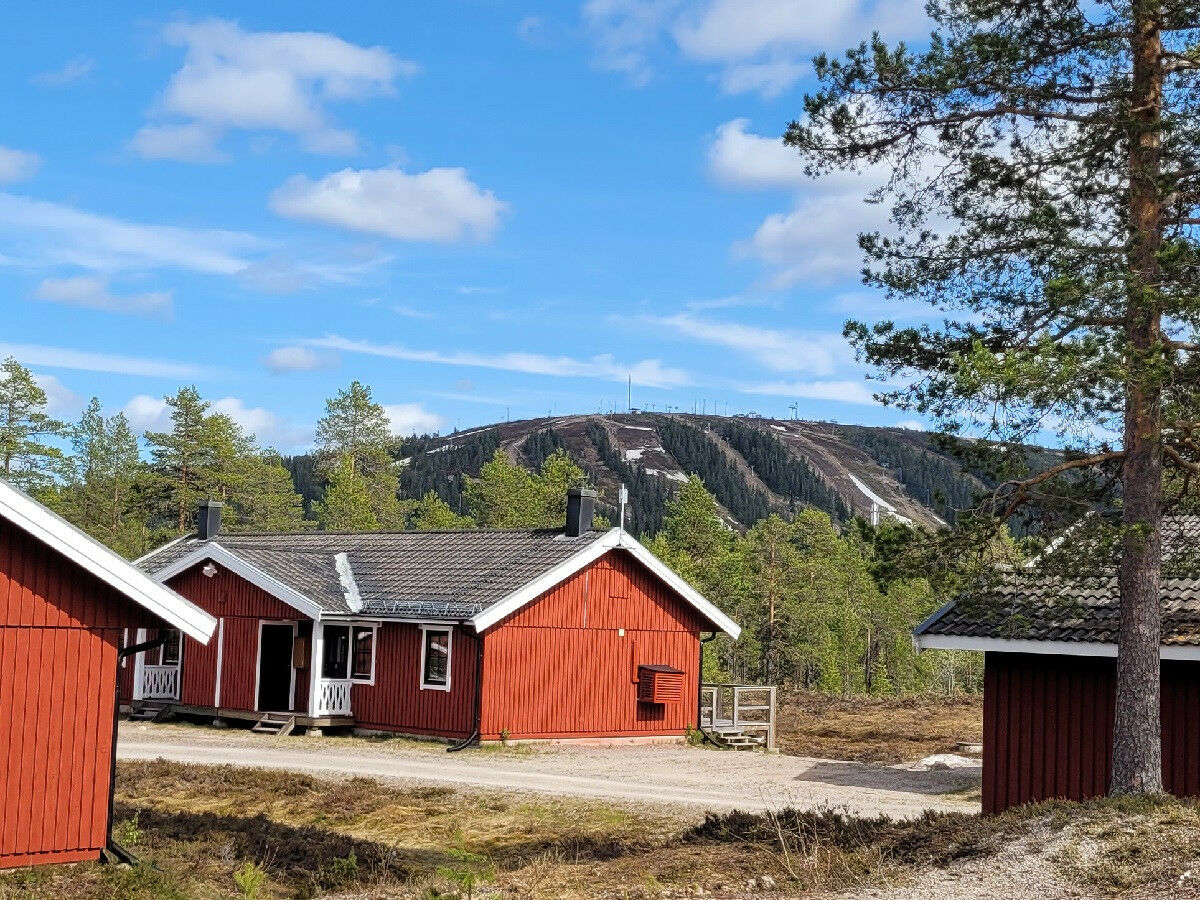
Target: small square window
{"x": 435, "y": 659}
{"x": 363, "y": 667}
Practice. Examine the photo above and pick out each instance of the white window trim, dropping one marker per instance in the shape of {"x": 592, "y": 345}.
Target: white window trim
{"x": 258, "y": 661}
{"x": 373, "y": 627}
{"x": 449, "y": 629}
{"x": 349, "y": 626}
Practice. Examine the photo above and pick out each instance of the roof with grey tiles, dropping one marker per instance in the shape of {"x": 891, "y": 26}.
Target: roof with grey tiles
{"x": 449, "y": 575}
{"x": 1041, "y": 603}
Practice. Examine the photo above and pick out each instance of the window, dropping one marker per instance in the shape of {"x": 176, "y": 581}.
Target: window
{"x": 170, "y": 650}
{"x": 335, "y": 652}
{"x": 363, "y": 668}
{"x": 435, "y": 659}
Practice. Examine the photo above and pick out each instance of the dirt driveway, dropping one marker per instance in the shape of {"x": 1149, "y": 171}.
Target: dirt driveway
{"x": 671, "y": 775}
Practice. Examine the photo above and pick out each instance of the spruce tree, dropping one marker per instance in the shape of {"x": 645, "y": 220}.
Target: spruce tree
{"x": 1043, "y": 172}
{"x": 182, "y": 458}
{"x": 26, "y": 459}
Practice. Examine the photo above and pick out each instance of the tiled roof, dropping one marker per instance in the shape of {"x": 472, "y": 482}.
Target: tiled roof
{"x": 409, "y": 574}
{"x": 1040, "y": 603}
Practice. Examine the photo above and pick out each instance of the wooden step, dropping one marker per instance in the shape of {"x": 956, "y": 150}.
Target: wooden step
{"x": 150, "y": 711}
{"x": 278, "y": 725}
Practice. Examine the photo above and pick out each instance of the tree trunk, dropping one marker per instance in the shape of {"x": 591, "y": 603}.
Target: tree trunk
{"x": 1137, "y": 751}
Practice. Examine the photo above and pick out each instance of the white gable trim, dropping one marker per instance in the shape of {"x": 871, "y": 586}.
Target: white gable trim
{"x": 214, "y": 552}
{"x": 1049, "y": 648}
{"x": 115, "y": 571}
{"x": 613, "y": 540}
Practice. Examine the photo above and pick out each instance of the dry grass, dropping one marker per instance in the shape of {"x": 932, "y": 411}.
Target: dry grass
{"x": 880, "y": 730}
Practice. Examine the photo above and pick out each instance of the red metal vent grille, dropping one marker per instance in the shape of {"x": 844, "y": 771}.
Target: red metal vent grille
{"x": 660, "y": 684}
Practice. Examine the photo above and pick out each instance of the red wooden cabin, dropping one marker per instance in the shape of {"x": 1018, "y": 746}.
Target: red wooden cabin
{"x": 523, "y": 634}
{"x": 1050, "y": 675}
{"x": 65, "y": 603}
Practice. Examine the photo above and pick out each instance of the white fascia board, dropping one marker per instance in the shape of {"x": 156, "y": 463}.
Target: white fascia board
{"x": 613, "y": 540}
{"x": 1045, "y": 648}
{"x": 114, "y": 570}
{"x": 214, "y": 552}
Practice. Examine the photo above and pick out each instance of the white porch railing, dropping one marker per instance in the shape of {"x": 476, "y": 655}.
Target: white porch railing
{"x": 160, "y": 682}
{"x": 333, "y": 697}
{"x": 739, "y": 708}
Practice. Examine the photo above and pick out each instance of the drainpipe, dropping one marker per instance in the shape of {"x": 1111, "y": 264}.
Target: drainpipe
{"x": 473, "y": 737}
{"x": 699, "y": 695}
{"x": 117, "y": 851}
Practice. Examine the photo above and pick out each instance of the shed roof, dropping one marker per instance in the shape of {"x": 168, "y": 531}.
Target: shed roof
{"x": 478, "y": 575}
{"x": 56, "y": 532}
{"x": 1040, "y": 609}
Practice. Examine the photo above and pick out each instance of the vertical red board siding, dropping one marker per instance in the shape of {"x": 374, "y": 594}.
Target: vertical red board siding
{"x": 1048, "y": 724}
{"x": 396, "y": 702}
{"x": 560, "y": 667}
{"x": 240, "y": 606}
{"x": 60, "y": 628}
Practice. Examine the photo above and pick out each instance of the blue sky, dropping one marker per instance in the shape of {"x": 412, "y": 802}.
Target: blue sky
{"x": 482, "y": 209}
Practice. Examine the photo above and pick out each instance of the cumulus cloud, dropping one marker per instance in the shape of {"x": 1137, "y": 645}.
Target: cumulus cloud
{"x": 61, "y": 401}
{"x": 646, "y": 372}
{"x": 413, "y": 418}
{"x": 255, "y": 81}
{"x": 737, "y": 158}
{"x": 755, "y": 45}
{"x": 147, "y": 413}
{"x": 18, "y": 165}
{"x": 441, "y": 205}
{"x": 92, "y": 292}
{"x": 299, "y": 359}
{"x": 781, "y": 351}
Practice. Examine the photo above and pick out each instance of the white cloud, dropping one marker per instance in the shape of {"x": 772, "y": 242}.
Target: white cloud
{"x": 756, "y": 45}
{"x": 73, "y": 70}
{"x": 92, "y": 292}
{"x": 146, "y": 413}
{"x": 187, "y": 142}
{"x": 53, "y": 233}
{"x": 263, "y": 81}
{"x": 647, "y": 372}
{"x": 61, "y": 401}
{"x": 299, "y": 359}
{"x": 87, "y": 361}
{"x": 911, "y": 425}
{"x": 841, "y": 391}
{"x": 413, "y": 418}
{"x": 269, "y": 429}
{"x": 782, "y": 351}
{"x": 18, "y": 165}
{"x": 739, "y": 159}
{"x": 441, "y": 205}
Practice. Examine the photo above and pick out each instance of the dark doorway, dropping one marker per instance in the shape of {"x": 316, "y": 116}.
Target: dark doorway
{"x": 275, "y": 668}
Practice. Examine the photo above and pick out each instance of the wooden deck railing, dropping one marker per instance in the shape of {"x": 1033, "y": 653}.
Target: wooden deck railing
{"x": 160, "y": 682}
{"x": 333, "y": 697}
{"x": 739, "y": 708}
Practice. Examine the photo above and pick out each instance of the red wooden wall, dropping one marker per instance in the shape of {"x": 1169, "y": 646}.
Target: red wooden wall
{"x": 1048, "y": 724}
{"x": 396, "y": 702}
{"x": 59, "y": 631}
{"x": 560, "y": 668}
{"x": 238, "y": 606}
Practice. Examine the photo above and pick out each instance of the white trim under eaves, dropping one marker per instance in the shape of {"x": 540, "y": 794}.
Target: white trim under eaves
{"x": 60, "y": 535}
{"x": 1050, "y": 648}
{"x": 615, "y": 539}
{"x": 214, "y": 552}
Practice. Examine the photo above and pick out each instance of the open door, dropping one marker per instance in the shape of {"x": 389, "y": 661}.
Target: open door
{"x": 275, "y": 674}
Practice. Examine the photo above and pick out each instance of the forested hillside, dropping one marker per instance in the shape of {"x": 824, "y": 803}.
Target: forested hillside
{"x": 771, "y": 520}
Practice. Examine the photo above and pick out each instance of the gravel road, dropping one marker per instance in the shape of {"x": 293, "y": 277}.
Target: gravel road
{"x": 663, "y": 774}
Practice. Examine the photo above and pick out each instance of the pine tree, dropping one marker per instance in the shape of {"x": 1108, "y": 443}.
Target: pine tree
{"x": 506, "y": 495}
{"x": 182, "y": 458}
{"x": 432, "y": 513}
{"x": 267, "y": 499}
{"x": 1044, "y": 178}
{"x": 346, "y": 505}
{"x": 25, "y": 458}
{"x": 355, "y": 432}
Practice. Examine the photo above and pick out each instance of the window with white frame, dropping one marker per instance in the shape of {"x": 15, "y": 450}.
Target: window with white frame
{"x": 362, "y": 648}
{"x": 335, "y": 652}
{"x": 435, "y": 658}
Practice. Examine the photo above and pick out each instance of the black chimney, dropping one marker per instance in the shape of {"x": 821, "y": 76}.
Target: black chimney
{"x": 208, "y": 519}
{"x": 581, "y": 505}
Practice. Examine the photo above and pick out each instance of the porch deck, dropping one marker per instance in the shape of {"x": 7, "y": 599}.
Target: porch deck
{"x": 741, "y": 715}
{"x": 244, "y": 715}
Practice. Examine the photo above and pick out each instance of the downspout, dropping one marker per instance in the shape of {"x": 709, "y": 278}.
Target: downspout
{"x": 699, "y": 696}
{"x": 473, "y": 737}
{"x": 119, "y": 852}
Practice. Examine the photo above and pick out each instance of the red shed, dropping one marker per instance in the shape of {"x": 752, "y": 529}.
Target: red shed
{"x": 65, "y": 603}
{"x": 1050, "y": 674}
{"x": 544, "y": 633}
